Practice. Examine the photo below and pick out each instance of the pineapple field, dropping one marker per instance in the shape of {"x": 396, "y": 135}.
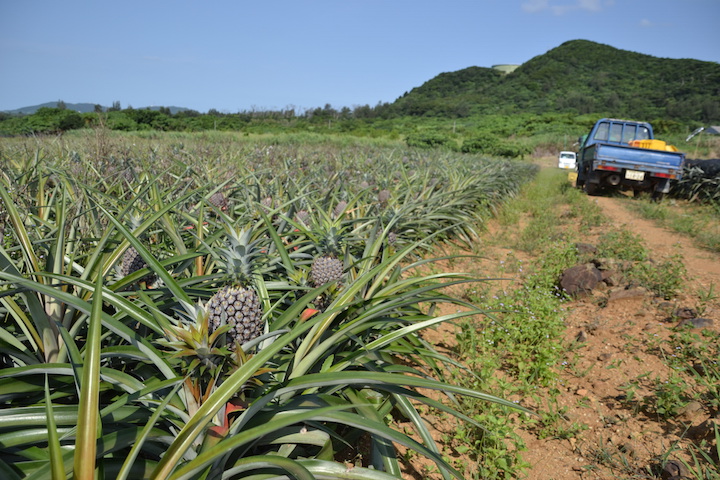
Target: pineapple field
{"x": 219, "y": 306}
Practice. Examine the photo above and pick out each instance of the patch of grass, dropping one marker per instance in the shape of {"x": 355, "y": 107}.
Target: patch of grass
{"x": 516, "y": 348}
{"x": 663, "y": 278}
{"x": 587, "y": 214}
{"x": 539, "y": 212}
{"x": 668, "y": 398}
{"x": 696, "y": 354}
{"x": 622, "y": 245}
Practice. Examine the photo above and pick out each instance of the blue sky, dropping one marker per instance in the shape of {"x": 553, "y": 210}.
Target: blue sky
{"x": 274, "y": 54}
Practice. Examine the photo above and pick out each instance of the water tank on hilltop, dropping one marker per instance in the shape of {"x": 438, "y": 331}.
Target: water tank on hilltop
{"x": 505, "y": 67}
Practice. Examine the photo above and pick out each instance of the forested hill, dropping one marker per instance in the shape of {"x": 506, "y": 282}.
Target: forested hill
{"x": 581, "y": 77}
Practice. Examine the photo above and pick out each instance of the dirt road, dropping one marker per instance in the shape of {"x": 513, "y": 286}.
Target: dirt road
{"x": 703, "y": 266}
{"x": 619, "y": 356}
{"x": 618, "y": 343}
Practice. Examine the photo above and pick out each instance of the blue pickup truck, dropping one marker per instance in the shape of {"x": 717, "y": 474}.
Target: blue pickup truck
{"x": 624, "y": 154}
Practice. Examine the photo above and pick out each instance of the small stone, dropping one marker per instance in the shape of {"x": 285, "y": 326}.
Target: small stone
{"x": 604, "y": 357}
{"x": 628, "y": 449}
{"x": 611, "y": 278}
{"x": 704, "y": 430}
{"x": 674, "y": 469}
{"x": 696, "y": 322}
{"x": 581, "y": 392}
{"x": 691, "y": 410}
{"x": 627, "y": 294}
{"x": 684, "y": 313}
{"x": 586, "y": 248}
{"x": 581, "y": 337}
{"x": 612, "y": 420}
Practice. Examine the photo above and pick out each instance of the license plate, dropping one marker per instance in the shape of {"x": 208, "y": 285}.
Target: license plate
{"x": 634, "y": 175}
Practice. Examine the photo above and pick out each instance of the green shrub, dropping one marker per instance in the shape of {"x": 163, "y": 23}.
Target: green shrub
{"x": 428, "y": 140}
{"x": 489, "y": 144}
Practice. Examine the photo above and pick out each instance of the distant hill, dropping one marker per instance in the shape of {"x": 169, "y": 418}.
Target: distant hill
{"x": 578, "y": 76}
{"x": 81, "y": 108}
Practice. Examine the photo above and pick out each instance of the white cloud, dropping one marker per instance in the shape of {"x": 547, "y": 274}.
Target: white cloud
{"x": 647, "y": 23}
{"x": 534, "y": 6}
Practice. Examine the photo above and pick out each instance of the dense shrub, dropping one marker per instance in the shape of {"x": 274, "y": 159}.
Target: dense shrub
{"x": 489, "y": 144}
{"x": 428, "y": 140}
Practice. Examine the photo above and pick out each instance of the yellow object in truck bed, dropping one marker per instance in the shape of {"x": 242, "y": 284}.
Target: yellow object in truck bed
{"x": 653, "y": 145}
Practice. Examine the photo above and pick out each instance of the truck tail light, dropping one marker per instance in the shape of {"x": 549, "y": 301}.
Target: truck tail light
{"x": 664, "y": 175}
{"x": 608, "y": 168}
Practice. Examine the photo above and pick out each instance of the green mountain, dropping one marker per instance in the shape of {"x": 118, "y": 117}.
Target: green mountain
{"x": 76, "y": 107}
{"x": 579, "y": 77}
{"x": 80, "y": 108}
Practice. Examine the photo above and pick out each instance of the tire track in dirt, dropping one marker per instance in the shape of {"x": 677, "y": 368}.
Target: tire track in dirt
{"x": 703, "y": 266}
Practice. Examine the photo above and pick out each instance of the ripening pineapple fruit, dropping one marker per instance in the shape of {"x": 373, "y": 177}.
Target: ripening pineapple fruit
{"x": 339, "y": 209}
{"x": 238, "y": 305}
{"x": 327, "y": 267}
{"x": 131, "y": 262}
{"x": 131, "y": 259}
{"x": 383, "y": 197}
{"x": 303, "y": 218}
{"x": 219, "y": 200}
{"x": 392, "y": 237}
{"x": 3, "y": 220}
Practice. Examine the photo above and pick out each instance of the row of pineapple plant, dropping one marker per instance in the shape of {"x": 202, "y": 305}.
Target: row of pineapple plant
{"x": 176, "y": 321}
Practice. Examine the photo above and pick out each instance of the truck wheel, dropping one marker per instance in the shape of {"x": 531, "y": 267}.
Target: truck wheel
{"x": 657, "y": 197}
{"x": 592, "y": 189}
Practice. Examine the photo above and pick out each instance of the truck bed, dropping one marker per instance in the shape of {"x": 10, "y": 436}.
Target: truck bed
{"x": 634, "y": 158}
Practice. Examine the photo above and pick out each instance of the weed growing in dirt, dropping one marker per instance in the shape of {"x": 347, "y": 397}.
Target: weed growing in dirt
{"x": 663, "y": 278}
{"x": 706, "y": 458}
{"x": 696, "y": 354}
{"x": 587, "y": 214}
{"x": 668, "y": 398}
{"x": 705, "y": 296}
{"x": 538, "y": 203}
{"x": 622, "y": 245}
{"x": 516, "y": 349}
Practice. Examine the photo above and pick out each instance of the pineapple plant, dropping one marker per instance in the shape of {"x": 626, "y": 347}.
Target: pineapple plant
{"x": 204, "y": 359}
{"x": 327, "y": 266}
{"x": 238, "y": 305}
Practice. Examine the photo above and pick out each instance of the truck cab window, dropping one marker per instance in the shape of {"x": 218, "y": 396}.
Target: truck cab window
{"x": 602, "y": 131}
{"x": 643, "y": 133}
{"x": 628, "y": 134}
{"x": 616, "y": 132}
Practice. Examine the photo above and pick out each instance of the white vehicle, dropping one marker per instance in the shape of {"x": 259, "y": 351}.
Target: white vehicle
{"x": 567, "y": 160}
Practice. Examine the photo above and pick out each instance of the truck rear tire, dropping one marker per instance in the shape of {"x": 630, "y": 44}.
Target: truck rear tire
{"x": 657, "y": 197}
{"x": 592, "y": 189}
